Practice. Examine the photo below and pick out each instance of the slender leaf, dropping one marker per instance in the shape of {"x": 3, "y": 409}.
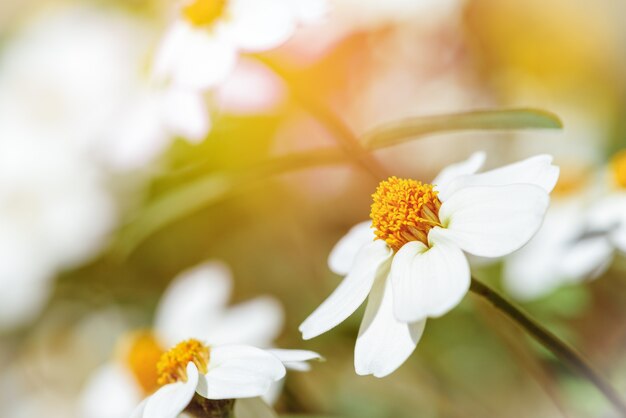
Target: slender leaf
{"x": 414, "y": 128}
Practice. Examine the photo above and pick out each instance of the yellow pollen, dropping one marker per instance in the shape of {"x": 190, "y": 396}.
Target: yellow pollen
{"x": 172, "y": 367}
{"x": 204, "y": 12}
{"x": 404, "y": 210}
{"x": 141, "y": 355}
{"x": 618, "y": 167}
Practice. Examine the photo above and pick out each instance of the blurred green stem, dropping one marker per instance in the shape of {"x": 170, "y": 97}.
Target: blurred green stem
{"x": 557, "y": 347}
{"x": 341, "y": 132}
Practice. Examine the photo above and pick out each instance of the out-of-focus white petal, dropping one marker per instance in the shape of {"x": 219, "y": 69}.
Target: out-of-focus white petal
{"x": 171, "y": 399}
{"x": 193, "y": 302}
{"x": 110, "y": 393}
{"x": 139, "y": 410}
{"x": 185, "y": 114}
{"x": 537, "y": 170}
{"x": 493, "y": 221}
{"x": 453, "y": 171}
{"x": 558, "y": 254}
{"x": 384, "y": 343}
{"x": 371, "y": 262}
{"x": 257, "y": 322}
{"x": 342, "y": 256}
{"x": 273, "y": 393}
{"x": 194, "y": 58}
{"x": 253, "y": 408}
{"x": 239, "y": 371}
{"x": 618, "y": 236}
{"x": 259, "y": 25}
{"x": 428, "y": 282}
{"x": 310, "y": 11}
{"x": 608, "y": 213}
{"x": 233, "y": 95}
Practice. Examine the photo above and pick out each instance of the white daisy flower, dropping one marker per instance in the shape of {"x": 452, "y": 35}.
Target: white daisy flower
{"x": 201, "y": 47}
{"x": 193, "y": 306}
{"x": 410, "y": 258}
{"x": 609, "y": 213}
{"x": 565, "y": 250}
{"x": 104, "y": 102}
{"x": 213, "y": 372}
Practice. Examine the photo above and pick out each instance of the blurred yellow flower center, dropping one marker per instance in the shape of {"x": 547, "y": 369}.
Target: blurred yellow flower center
{"x": 204, "y": 12}
{"x": 141, "y": 356}
{"x": 572, "y": 179}
{"x": 404, "y": 210}
{"x": 618, "y": 166}
{"x": 172, "y": 367}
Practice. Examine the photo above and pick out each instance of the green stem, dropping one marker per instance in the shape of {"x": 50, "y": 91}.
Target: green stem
{"x": 559, "y": 348}
{"x": 200, "y": 407}
{"x": 341, "y": 132}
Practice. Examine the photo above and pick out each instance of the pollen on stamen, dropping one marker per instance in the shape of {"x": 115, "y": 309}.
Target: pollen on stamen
{"x": 204, "y": 12}
{"x": 618, "y": 167}
{"x": 172, "y": 367}
{"x": 404, "y": 210}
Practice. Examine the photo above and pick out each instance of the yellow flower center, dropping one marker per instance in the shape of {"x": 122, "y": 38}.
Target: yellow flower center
{"x": 204, "y": 12}
{"x": 572, "y": 180}
{"x": 618, "y": 167}
{"x": 141, "y": 355}
{"x": 172, "y": 366}
{"x": 404, "y": 210}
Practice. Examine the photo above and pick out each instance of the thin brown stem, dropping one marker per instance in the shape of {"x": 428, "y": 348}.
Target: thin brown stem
{"x": 551, "y": 342}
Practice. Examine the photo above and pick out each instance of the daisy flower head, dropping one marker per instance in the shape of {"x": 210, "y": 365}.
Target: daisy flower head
{"x": 201, "y": 47}
{"x": 410, "y": 258}
{"x": 194, "y": 306}
{"x": 213, "y": 372}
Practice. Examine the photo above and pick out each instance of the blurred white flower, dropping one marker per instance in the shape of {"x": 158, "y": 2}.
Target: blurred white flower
{"x": 565, "y": 250}
{"x": 201, "y": 47}
{"x": 410, "y": 261}
{"x": 213, "y": 372}
{"x": 609, "y": 213}
{"x": 193, "y": 306}
{"x": 54, "y": 213}
{"x": 78, "y": 74}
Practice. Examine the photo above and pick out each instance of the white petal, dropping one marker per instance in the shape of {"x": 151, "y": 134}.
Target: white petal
{"x": 296, "y": 359}
{"x": 294, "y": 355}
{"x": 239, "y": 371}
{"x": 257, "y": 322}
{"x": 384, "y": 343}
{"x": 110, "y": 393}
{"x": 344, "y": 252}
{"x": 493, "y": 221}
{"x": 273, "y": 393}
{"x": 170, "y": 400}
{"x": 194, "y": 58}
{"x": 537, "y": 170}
{"x": 556, "y": 255}
{"x": 139, "y": 410}
{"x": 608, "y": 213}
{"x": 253, "y": 408}
{"x": 185, "y": 114}
{"x": 453, "y": 171}
{"x": 192, "y": 302}
{"x": 259, "y": 25}
{"x": 310, "y": 11}
{"x": 428, "y": 282}
{"x": 371, "y": 262}
{"x": 618, "y": 236}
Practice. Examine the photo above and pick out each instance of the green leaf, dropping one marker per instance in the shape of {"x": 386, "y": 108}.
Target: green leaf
{"x": 413, "y": 128}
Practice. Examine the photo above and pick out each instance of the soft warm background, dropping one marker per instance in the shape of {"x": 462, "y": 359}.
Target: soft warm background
{"x": 368, "y": 66}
